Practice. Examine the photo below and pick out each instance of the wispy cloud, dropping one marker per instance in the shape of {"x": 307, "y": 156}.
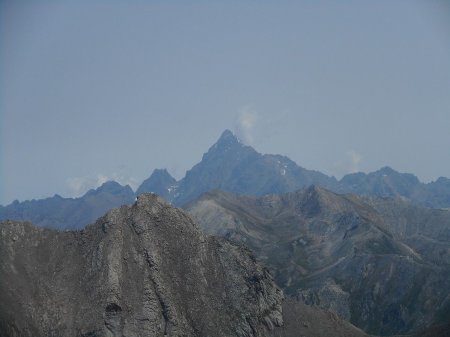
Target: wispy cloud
{"x": 77, "y": 186}
{"x": 353, "y": 161}
{"x": 245, "y": 123}
{"x": 349, "y": 163}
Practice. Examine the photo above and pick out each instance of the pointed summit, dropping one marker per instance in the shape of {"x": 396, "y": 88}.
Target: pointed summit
{"x": 160, "y": 182}
{"x": 226, "y": 139}
{"x": 227, "y": 135}
{"x": 387, "y": 170}
{"x": 227, "y": 147}
{"x": 232, "y": 166}
{"x": 110, "y": 187}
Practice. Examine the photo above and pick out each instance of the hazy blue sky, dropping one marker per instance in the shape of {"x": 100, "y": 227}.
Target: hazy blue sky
{"x": 92, "y": 90}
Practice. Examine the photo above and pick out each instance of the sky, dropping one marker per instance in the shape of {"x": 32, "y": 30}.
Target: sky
{"x": 99, "y": 90}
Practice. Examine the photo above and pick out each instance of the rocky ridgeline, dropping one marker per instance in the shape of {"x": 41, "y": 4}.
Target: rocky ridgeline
{"x": 140, "y": 270}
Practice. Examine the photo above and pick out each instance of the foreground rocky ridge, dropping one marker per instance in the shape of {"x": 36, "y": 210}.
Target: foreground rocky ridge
{"x": 382, "y": 264}
{"x": 144, "y": 270}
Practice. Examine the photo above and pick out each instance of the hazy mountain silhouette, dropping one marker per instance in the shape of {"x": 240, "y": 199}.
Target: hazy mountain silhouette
{"x": 70, "y": 213}
{"x": 232, "y": 166}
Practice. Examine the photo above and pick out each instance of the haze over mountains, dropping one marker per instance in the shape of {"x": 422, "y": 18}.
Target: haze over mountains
{"x": 231, "y": 166}
{"x": 377, "y": 258}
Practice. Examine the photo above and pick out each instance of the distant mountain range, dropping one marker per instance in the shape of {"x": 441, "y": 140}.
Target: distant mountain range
{"x": 70, "y": 213}
{"x": 232, "y": 166}
{"x": 381, "y": 263}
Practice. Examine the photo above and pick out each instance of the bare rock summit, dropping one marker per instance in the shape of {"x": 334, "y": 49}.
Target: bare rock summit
{"x": 140, "y": 270}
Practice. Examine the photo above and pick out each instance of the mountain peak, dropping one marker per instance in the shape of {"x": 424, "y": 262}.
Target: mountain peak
{"x": 227, "y": 138}
{"x": 110, "y": 186}
{"x": 162, "y": 174}
{"x": 386, "y": 170}
{"x": 227, "y": 143}
{"x": 227, "y": 134}
{"x": 160, "y": 182}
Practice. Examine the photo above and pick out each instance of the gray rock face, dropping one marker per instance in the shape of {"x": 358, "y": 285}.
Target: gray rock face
{"x": 328, "y": 295}
{"x": 141, "y": 270}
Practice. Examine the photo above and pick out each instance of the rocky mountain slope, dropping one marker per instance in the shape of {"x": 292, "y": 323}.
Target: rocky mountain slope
{"x": 143, "y": 270}
{"x": 311, "y": 321}
{"x": 383, "y": 267}
{"x": 70, "y": 213}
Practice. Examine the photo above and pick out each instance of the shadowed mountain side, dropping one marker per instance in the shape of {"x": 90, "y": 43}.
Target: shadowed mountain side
{"x": 144, "y": 270}
{"x": 339, "y": 252}
{"x": 70, "y": 213}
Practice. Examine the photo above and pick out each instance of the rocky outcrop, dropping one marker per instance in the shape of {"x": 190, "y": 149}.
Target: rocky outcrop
{"x": 140, "y": 270}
